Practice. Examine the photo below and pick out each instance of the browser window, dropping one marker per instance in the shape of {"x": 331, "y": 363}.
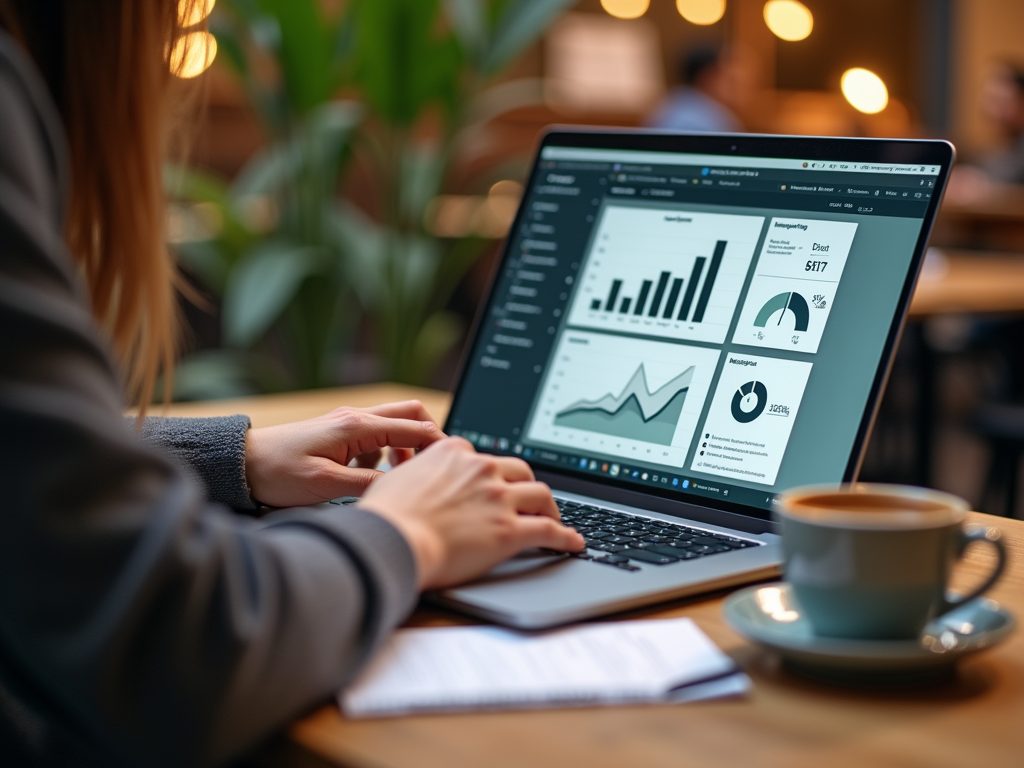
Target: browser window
{"x": 711, "y": 325}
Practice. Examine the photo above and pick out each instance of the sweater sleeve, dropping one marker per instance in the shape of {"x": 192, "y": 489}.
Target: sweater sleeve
{"x": 212, "y": 449}
{"x": 137, "y": 617}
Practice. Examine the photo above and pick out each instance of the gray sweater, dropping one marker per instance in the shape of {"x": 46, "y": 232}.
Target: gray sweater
{"x": 140, "y": 622}
{"x": 212, "y": 450}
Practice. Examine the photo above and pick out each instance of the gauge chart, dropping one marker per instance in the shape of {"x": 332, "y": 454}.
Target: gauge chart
{"x": 777, "y": 307}
{"x": 623, "y": 397}
{"x": 795, "y": 284}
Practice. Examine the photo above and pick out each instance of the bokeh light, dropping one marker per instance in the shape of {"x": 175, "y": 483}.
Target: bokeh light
{"x": 626, "y": 9}
{"x": 701, "y": 12}
{"x": 192, "y": 13}
{"x": 193, "y": 54}
{"x": 788, "y": 19}
{"x": 864, "y": 90}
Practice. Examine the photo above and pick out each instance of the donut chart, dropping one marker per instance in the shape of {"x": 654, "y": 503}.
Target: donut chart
{"x": 749, "y": 401}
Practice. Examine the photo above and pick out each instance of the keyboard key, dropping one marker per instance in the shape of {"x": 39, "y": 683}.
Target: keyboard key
{"x": 616, "y": 539}
{"x": 653, "y": 538}
{"x": 646, "y": 556}
{"x": 612, "y": 559}
{"x": 604, "y": 547}
{"x": 627, "y": 567}
{"x": 707, "y": 540}
{"x": 665, "y": 549}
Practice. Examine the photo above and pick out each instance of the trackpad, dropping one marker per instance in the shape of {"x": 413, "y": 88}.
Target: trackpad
{"x": 525, "y": 562}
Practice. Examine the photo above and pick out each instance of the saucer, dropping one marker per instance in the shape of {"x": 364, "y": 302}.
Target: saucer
{"x": 770, "y": 616}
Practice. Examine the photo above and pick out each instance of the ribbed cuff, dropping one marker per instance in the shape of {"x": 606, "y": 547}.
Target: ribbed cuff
{"x": 213, "y": 449}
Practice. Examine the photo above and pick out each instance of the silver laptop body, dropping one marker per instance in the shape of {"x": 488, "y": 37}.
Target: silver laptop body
{"x": 681, "y": 327}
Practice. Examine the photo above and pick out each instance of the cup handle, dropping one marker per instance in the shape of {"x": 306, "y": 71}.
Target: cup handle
{"x": 968, "y": 536}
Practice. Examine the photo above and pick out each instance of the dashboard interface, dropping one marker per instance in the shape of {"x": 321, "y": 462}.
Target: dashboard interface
{"x": 708, "y": 325}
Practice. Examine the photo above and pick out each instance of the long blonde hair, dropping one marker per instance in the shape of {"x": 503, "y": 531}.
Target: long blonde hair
{"x": 106, "y": 64}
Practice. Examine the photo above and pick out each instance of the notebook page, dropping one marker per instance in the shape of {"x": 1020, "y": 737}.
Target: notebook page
{"x": 486, "y": 667}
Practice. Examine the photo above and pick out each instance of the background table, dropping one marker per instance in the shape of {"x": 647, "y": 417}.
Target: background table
{"x": 785, "y": 722}
{"x": 974, "y": 282}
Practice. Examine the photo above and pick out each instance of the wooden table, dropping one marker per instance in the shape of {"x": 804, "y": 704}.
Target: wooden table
{"x": 992, "y": 220}
{"x": 785, "y": 721}
{"x": 970, "y": 282}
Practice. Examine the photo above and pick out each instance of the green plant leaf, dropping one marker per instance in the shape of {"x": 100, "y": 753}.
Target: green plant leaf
{"x": 362, "y": 240}
{"x": 403, "y": 60}
{"x": 207, "y": 262}
{"x": 213, "y": 374}
{"x": 261, "y": 286}
{"x": 468, "y": 20}
{"x": 183, "y": 183}
{"x": 232, "y": 48}
{"x": 520, "y": 24}
{"x": 436, "y": 337}
{"x": 421, "y": 174}
{"x": 305, "y": 53}
{"x": 328, "y": 128}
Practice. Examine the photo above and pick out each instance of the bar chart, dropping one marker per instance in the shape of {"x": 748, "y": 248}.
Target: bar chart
{"x": 640, "y": 307}
{"x": 665, "y": 273}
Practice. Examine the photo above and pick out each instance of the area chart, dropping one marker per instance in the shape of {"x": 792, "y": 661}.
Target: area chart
{"x": 636, "y": 412}
{"x": 627, "y": 398}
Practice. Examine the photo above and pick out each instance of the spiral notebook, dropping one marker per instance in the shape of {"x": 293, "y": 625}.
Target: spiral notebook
{"x": 454, "y": 669}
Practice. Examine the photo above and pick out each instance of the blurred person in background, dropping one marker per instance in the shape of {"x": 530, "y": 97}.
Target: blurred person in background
{"x": 148, "y": 614}
{"x": 1002, "y": 104}
{"x": 700, "y": 102}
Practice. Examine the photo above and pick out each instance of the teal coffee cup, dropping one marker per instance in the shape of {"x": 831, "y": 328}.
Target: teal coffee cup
{"x": 875, "y": 561}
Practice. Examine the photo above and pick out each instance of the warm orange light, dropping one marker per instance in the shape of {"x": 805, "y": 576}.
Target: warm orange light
{"x": 192, "y": 13}
{"x": 788, "y": 19}
{"x": 193, "y": 54}
{"x": 701, "y": 12}
{"x": 864, "y": 90}
{"x": 626, "y": 9}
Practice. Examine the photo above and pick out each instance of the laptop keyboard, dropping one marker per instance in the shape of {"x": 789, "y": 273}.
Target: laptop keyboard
{"x": 625, "y": 541}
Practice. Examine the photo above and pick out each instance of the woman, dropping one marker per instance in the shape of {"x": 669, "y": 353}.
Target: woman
{"x": 141, "y": 622}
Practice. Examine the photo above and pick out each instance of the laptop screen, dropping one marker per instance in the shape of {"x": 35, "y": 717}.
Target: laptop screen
{"x": 707, "y": 326}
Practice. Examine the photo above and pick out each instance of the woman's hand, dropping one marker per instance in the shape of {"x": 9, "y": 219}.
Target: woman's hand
{"x": 306, "y": 462}
{"x": 463, "y": 512}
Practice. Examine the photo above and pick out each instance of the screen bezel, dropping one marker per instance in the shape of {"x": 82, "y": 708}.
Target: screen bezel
{"x": 884, "y": 151}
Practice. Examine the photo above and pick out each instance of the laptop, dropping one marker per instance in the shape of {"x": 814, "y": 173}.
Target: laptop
{"x": 679, "y": 328}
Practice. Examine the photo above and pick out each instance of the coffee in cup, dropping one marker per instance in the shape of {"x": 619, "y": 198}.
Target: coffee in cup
{"x": 875, "y": 561}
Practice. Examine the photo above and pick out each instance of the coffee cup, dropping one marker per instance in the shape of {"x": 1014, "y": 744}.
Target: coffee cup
{"x": 874, "y": 561}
